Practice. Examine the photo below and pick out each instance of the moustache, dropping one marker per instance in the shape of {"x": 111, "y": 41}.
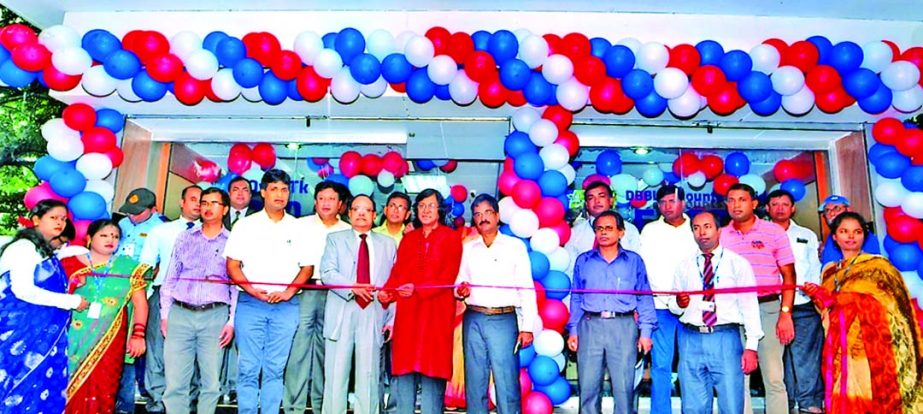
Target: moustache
{"x": 483, "y": 222}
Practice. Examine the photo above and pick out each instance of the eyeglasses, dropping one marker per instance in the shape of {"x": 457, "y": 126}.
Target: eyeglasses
{"x": 395, "y": 206}
{"x": 431, "y": 206}
{"x": 485, "y": 213}
{"x": 600, "y": 229}
{"x": 834, "y": 209}
{"x": 204, "y": 203}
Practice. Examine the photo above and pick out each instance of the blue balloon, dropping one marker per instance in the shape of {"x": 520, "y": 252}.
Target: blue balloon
{"x": 906, "y": 257}
{"x": 443, "y": 94}
{"x": 737, "y": 164}
{"x": 879, "y": 102}
{"x": 349, "y": 43}
{"x": 824, "y": 46}
{"x": 87, "y": 206}
{"x": 912, "y": 179}
{"x": 110, "y": 119}
{"x": 46, "y": 167}
{"x": 638, "y": 84}
{"x": 212, "y": 40}
{"x": 518, "y": 142}
{"x": 892, "y": 165}
{"x": 420, "y": 88}
{"x": 15, "y": 77}
{"x": 4, "y": 54}
{"x": 599, "y": 47}
{"x": 557, "y": 285}
{"x": 540, "y": 264}
{"x": 425, "y": 165}
{"x": 515, "y": 74}
{"x": 365, "y": 69}
{"x": 862, "y": 83}
{"x": 846, "y": 57}
{"x": 481, "y": 39}
{"x": 878, "y": 149}
{"x": 272, "y": 89}
{"x": 313, "y": 166}
{"x": 710, "y": 52}
{"x": 558, "y": 391}
{"x": 889, "y": 243}
{"x": 329, "y": 40}
{"x": 395, "y": 68}
{"x": 552, "y": 183}
{"x": 543, "y": 370}
{"x": 248, "y": 73}
{"x": 338, "y": 178}
{"x": 225, "y": 181}
{"x": 100, "y": 44}
{"x": 147, "y": 88}
{"x": 795, "y": 188}
{"x": 122, "y": 64}
{"x": 526, "y": 355}
{"x": 736, "y": 64}
{"x": 538, "y": 91}
{"x": 670, "y": 178}
{"x": 505, "y": 229}
{"x": 755, "y": 87}
{"x": 293, "y": 93}
{"x": 564, "y": 199}
{"x": 529, "y": 166}
{"x": 608, "y": 163}
{"x": 651, "y": 105}
{"x": 458, "y": 209}
{"x": 767, "y": 106}
{"x": 230, "y": 51}
{"x": 619, "y": 61}
{"x": 503, "y": 46}
{"x": 909, "y": 124}
{"x": 41, "y": 81}
{"x": 68, "y": 182}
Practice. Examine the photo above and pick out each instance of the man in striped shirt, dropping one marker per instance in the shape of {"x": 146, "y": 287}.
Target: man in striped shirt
{"x": 765, "y": 245}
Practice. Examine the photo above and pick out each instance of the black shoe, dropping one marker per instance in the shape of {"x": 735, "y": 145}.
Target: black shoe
{"x": 232, "y": 397}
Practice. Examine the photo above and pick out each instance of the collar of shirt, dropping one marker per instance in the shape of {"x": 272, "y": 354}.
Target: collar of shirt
{"x": 757, "y": 223}
{"x": 197, "y": 231}
{"x": 263, "y": 216}
{"x": 596, "y": 254}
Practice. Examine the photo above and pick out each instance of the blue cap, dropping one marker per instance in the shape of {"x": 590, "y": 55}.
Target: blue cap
{"x": 833, "y": 199}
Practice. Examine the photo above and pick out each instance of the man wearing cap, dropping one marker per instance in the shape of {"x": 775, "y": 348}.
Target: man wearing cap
{"x": 832, "y": 207}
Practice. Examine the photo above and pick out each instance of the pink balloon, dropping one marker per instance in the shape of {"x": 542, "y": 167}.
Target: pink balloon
{"x": 459, "y": 193}
{"x": 550, "y": 211}
{"x": 525, "y": 382}
{"x": 563, "y": 231}
{"x": 536, "y": 403}
{"x": 239, "y": 165}
{"x": 527, "y": 194}
{"x": 554, "y": 315}
{"x": 320, "y": 160}
{"x": 594, "y": 178}
{"x": 350, "y": 163}
{"x": 325, "y": 171}
{"x": 507, "y": 182}
{"x": 206, "y": 170}
{"x": 540, "y": 295}
{"x": 80, "y": 227}
{"x": 38, "y": 193}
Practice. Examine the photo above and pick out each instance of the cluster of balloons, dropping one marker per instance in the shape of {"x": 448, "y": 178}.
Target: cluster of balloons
{"x": 445, "y": 166}
{"x": 241, "y": 157}
{"x": 82, "y": 152}
{"x": 361, "y": 170}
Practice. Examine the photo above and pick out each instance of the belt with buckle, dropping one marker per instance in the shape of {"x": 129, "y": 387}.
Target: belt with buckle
{"x": 767, "y": 298}
{"x": 608, "y": 314}
{"x": 711, "y": 329}
{"x": 492, "y": 311}
{"x": 198, "y": 308}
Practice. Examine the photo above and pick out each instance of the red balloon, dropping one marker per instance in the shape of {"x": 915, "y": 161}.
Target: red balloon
{"x": 240, "y": 150}
{"x": 132, "y": 39}
{"x": 712, "y": 166}
{"x": 823, "y": 79}
{"x": 561, "y": 117}
{"x": 459, "y": 193}
{"x": 554, "y": 43}
{"x": 888, "y": 131}
{"x": 17, "y": 35}
{"x": 554, "y": 316}
{"x": 460, "y": 46}
{"x": 264, "y": 155}
{"x": 97, "y": 139}
{"x": 570, "y": 141}
{"x": 527, "y": 194}
{"x": 563, "y": 231}
{"x": 79, "y": 116}
{"x": 32, "y": 57}
{"x": 726, "y": 100}
{"x": 686, "y": 58}
{"x": 785, "y": 170}
{"x": 550, "y": 211}
{"x": 149, "y": 45}
{"x": 912, "y": 143}
{"x": 210, "y": 94}
{"x": 904, "y": 229}
{"x": 286, "y": 65}
{"x": 165, "y": 68}
{"x": 58, "y": 80}
{"x": 895, "y": 51}
{"x": 391, "y": 162}
{"x": 779, "y": 44}
{"x": 539, "y": 293}
{"x": 263, "y": 47}
{"x": 459, "y": 222}
{"x": 239, "y": 165}
{"x": 371, "y": 165}
{"x": 350, "y": 163}
{"x": 206, "y": 170}
{"x": 802, "y": 55}
{"x": 116, "y": 156}
{"x": 589, "y": 69}
{"x": 515, "y": 98}
{"x": 507, "y": 182}
{"x": 575, "y": 46}
{"x": 188, "y": 90}
{"x": 399, "y": 87}
{"x": 440, "y": 38}
{"x": 311, "y": 86}
{"x": 708, "y": 80}
{"x": 686, "y": 164}
{"x": 723, "y": 183}
{"x": 508, "y": 164}
{"x": 449, "y": 166}
{"x": 638, "y": 203}
{"x": 481, "y": 67}
{"x": 892, "y": 213}
{"x": 913, "y": 55}
{"x": 833, "y": 101}
{"x": 492, "y": 93}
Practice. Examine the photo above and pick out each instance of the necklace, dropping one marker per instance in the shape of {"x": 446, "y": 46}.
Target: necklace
{"x": 836, "y": 280}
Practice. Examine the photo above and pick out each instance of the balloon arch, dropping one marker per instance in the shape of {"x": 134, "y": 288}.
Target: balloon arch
{"x": 551, "y": 77}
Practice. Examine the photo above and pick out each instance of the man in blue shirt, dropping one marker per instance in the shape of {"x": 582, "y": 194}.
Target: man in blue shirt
{"x": 832, "y": 207}
{"x": 606, "y": 323}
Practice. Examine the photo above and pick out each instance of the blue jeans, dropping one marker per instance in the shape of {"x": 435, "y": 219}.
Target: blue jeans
{"x": 264, "y": 338}
{"x": 432, "y": 395}
{"x": 802, "y": 359}
{"x": 489, "y": 342}
{"x": 711, "y": 360}
{"x": 125, "y": 399}
{"x": 607, "y": 344}
{"x": 664, "y": 338}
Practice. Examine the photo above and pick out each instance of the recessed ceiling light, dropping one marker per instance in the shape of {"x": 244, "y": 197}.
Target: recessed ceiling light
{"x": 293, "y": 146}
{"x": 642, "y": 150}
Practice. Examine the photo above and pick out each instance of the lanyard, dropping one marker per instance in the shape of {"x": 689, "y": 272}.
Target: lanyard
{"x": 97, "y": 279}
{"x": 715, "y": 265}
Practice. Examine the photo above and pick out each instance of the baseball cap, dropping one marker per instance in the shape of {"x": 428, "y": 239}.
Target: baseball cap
{"x": 833, "y": 199}
{"x": 138, "y": 200}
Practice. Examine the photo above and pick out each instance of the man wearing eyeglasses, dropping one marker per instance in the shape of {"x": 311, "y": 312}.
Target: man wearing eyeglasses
{"x": 832, "y": 207}
{"x": 396, "y": 214}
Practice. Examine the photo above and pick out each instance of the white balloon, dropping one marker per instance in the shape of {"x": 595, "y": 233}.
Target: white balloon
{"x": 184, "y": 43}
{"x": 533, "y": 50}
{"x": 890, "y": 193}
{"x": 686, "y": 105}
{"x": 380, "y": 44}
{"x": 374, "y": 89}
{"x": 307, "y": 46}
{"x": 442, "y": 69}
{"x": 573, "y": 95}
{"x": 765, "y": 58}
{"x": 569, "y": 173}
{"x": 202, "y": 64}
{"x": 327, "y": 63}
{"x": 558, "y": 69}
{"x": 65, "y": 149}
{"x": 914, "y": 285}
{"x": 900, "y": 75}
{"x": 652, "y": 176}
{"x": 623, "y": 183}
{"x": 521, "y": 33}
{"x": 385, "y": 179}
{"x": 419, "y": 51}
{"x": 252, "y": 94}
{"x": 754, "y": 181}
{"x": 671, "y": 83}
{"x": 462, "y": 89}
{"x": 126, "y": 92}
{"x": 697, "y": 179}
{"x": 101, "y": 187}
{"x": 545, "y": 240}
{"x": 908, "y": 101}
{"x": 876, "y": 56}
{"x": 652, "y": 57}
{"x": 508, "y": 208}
{"x": 343, "y": 87}
{"x": 799, "y": 103}
{"x": 55, "y": 128}
{"x": 913, "y": 205}
{"x": 787, "y": 80}
{"x": 554, "y": 156}
{"x": 59, "y": 37}
{"x": 549, "y": 343}
{"x": 98, "y": 83}
{"x": 562, "y": 362}
{"x": 631, "y": 43}
{"x": 71, "y": 60}
{"x": 559, "y": 259}
{"x": 94, "y": 166}
{"x": 524, "y": 223}
{"x": 224, "y": 86}
{"x": 543, "y": 132}
{"x": 524, "y": 117}
{"x": 400, "y": 42}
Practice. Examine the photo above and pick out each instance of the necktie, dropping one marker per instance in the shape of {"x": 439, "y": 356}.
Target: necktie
{"x": 363, "y": 276}
{"x": 236, "y": 217}
{"x": 189, "y": 225}
{"x": 709, "y": 317}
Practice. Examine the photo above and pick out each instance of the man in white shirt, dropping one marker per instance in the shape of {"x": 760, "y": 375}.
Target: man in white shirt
{"x": 598, "y": 198}
{"x": 304, "y": 372}
{"x": 497, "y": 321}
{"x": 239, "y": 190}
{"x": 265, "y": 256}
{"x": 156, "y": 252}
{"x": 802, "y": 357}
{"x": 710, "y": 348}
{"x": 664, "y": 244}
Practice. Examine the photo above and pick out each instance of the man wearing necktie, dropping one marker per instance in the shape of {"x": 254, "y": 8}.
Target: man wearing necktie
{"x": 353, "y": 322}
{"x": 240, "y": 192}
{"x": 710, "y": 347}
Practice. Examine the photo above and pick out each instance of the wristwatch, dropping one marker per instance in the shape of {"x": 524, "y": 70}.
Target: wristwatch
{"x": 786, "y": 309}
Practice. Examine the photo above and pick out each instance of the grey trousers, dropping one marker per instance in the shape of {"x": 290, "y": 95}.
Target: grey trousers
{"x": 192, "y": 339}
{"x": 610, "y": 344}
{"x": 154, "y": 379}
{"x": 304, "y": 372}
